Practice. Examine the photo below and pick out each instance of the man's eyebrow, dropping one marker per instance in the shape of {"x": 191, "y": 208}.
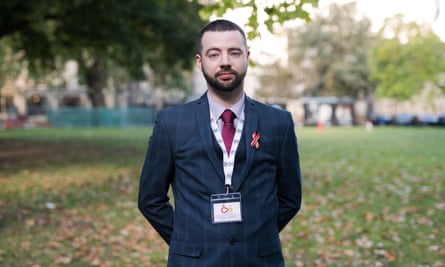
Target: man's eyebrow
{"x": 212, "y": 49}
{"x": 219, "y": 49}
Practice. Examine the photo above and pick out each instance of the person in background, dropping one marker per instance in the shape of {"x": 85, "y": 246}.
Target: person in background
{"x": 232, "y": 164}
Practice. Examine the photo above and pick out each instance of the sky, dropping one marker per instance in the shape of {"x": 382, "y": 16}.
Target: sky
{"x": 271, "y": 48}
{"x": 421, "y": 11}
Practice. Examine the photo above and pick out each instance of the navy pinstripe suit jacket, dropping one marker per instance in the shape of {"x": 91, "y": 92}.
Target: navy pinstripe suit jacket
{"x": 184, "y": 154}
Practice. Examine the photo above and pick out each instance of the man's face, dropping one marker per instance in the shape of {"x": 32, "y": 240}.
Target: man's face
{"x": 223, "y": 60}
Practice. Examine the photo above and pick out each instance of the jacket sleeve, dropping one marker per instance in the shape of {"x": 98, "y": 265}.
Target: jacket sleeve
{"x": 156, "y": 176}
{"x": 289, "y": 176}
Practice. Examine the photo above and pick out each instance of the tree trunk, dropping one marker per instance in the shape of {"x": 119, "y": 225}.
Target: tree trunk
{"x": 334, "y": 119}
{"x": 353, "y": 114}
{"x": 369, "y": 106}
{"x": 95, "y": 82}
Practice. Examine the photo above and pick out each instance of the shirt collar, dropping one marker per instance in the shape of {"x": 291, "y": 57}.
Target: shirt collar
{"x": 216, "y": 109}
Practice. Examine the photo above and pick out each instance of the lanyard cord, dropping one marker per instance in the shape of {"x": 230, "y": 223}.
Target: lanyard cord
{"x": 228, "y": 158}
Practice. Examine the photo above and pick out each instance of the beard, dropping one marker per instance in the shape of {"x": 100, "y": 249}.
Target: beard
{"x": 226, "y": 86}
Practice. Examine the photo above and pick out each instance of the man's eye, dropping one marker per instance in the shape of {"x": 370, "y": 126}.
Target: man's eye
{"x": 213, "y": 56}
{"x": 235, "y": 54}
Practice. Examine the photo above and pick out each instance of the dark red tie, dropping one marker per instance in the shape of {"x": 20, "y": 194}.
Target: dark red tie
{"x": 228, "y": 130}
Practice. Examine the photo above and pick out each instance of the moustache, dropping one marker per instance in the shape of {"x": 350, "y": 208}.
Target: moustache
{"x": 224, "y": 72}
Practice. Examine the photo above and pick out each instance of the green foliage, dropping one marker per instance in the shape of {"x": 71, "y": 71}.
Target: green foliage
{"x": 109, "y": 37}
{"x": 286, "y": 11}
{"x": 276, "y": 12}
{"x": 127, "y": 32}
{"x": 103, "y": 34}
{"x": 401, "y": 65}
{"x": 332, "y": 52}
{"x": 10, "y": 61}
{"x": 68, "y": 198}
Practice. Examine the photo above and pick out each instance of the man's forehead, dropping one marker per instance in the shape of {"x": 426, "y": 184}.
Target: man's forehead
{"x": 223, "y": 36}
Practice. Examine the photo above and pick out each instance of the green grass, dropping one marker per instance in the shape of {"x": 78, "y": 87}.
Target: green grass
{"x": 68, "y": 198}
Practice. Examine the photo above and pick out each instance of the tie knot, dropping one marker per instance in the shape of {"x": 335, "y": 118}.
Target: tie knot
{"x": 228, "y": 116}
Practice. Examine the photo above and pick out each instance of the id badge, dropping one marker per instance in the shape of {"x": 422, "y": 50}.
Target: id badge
{"x": 226, "y": 208}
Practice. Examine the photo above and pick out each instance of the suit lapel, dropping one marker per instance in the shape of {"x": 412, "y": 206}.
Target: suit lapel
{"x": 202, "y": 116}
{"x": 250, "y": 126}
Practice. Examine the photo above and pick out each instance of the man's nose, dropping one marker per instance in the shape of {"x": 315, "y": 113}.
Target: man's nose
{"x": 225, "y": 59}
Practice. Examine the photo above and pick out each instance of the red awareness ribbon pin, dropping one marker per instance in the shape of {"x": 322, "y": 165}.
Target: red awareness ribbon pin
{"x": 255, "y": 140}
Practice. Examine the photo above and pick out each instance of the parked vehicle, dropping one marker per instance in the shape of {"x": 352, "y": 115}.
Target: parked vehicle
{"x": 408, "y": 119}
{"x": 404, "y": 119}
{"x": 379, "y": 119}
{"x": 441, "y": 120}
{"x": 426, "y": 119}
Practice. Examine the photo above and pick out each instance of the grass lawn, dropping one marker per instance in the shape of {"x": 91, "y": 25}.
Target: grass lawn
{"x": 68, "y": 198}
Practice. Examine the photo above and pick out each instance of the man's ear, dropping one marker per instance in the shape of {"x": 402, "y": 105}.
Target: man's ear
{"x": 198, "y": 60}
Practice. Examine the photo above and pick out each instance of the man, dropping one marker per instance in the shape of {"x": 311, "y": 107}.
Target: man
{"x": 231, "y": 198}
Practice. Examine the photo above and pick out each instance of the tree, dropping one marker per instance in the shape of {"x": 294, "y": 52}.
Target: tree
{"x": 332, "y": 53}
{"x": 102, "y": 35}
{"x": 278, "y": 83}
{"x": 407, "y": 56}
{"x": 270, "y": 13}
{"x": 99, "y": 34}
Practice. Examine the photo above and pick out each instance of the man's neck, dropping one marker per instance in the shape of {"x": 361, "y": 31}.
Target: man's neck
{"x": 228, "y": 99}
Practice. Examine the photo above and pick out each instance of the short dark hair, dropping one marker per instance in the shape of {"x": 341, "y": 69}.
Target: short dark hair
{"x": 219, "y": 25}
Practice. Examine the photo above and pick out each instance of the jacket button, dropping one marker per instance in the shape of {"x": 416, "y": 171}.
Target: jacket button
{"x": 232, "y": 241}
